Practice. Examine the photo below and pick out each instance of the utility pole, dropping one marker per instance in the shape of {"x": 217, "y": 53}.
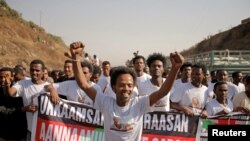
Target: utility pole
{"x": 40, "y": 18}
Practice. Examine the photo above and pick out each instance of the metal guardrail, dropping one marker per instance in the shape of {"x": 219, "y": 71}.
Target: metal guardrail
{"x": 220, "y": 58}
{"x": 231, "y": 60}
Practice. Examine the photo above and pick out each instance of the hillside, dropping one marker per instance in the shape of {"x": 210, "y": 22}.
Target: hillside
{"x": 237, "y": 38}
{"x": 22, "y": 41}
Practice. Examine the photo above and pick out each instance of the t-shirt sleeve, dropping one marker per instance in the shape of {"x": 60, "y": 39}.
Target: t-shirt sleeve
{"x": 18, "y": 87}
{"x": 145, "y": 104}
{"x": 100, "y": 100}
{"x": 102, "y": 82}
{"x": 63, "y": 87}
{"x": 176, "y": 94}
{"x": 236, "y": 100}
{"x": 209, "y": 109}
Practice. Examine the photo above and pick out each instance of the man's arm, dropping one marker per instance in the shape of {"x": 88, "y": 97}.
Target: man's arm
{"x": 8, "y": 90}
{"x": 176, "y": 60}
{"x": 76, "y": 50}
{"x": 241, "y": 109}
{"x": 55, "y": 99}
{"x": 187, "y": 110}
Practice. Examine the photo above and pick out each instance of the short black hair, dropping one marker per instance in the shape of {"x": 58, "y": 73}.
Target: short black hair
{"x": 68, "y": 61}
{"x": 213, "y": 72}
{"x": 38, "y": 61}
{"x": 7, "y": 69}
{"x": 88, "y": 65}
{"x": 200, "y": 66}
{"x": 220, "y": 70}
{"x": 53, "y": 72}
{"x": 96, "y": 70}
{"x": 18, "y": 69}
{"x": 104, "y": 63}
{"x": 186, "y": 64}
{"x": 218, "y": 84}
{"x": 157, "y": 56}
{"x": 138, "y": 57}
{"x": 235, "y": 74}
{"x": 117, "y": 71}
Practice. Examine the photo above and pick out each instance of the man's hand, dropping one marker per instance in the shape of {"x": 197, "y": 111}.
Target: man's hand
{"x": 55, "y": 99}
{"x": 176, "y": 59}
{"x": 243, "y": 110}
{"x": 188, "y": 111}
{"x": 6, "y": 80}
{"x": 203, "y": 114}
{"x": 30, "y": 108}
{"x": 76, "y": 48}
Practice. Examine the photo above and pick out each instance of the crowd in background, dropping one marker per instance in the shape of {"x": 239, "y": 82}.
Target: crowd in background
{"x": 196, "y": 90}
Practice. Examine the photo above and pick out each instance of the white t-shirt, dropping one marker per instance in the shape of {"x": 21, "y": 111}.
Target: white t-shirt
{"x": 96, "y": 61}
{"x": 86, "y": 59}
{"x": 28, "y": 90}
{"x": 142, "y": 78}
{"x": 122, "y": 123}
{"x": 232, "y": 91}
{"x": 147, "y": 88}
{"x": 213, "y": 107}
{"x": 240, "y": 87}
{"x": 104, "y": 82}
{"x": 73, "y": 92}
{"x": 189, "y": 95}
{"x": 209, "y": 94}
{"x": 177, "y": 84}
{"x": 241, "y": 100}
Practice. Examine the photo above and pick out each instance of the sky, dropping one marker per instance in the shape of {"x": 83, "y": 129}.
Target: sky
{"x": 115, "y": 29}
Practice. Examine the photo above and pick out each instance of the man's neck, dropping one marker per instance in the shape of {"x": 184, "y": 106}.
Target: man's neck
{"x": 197, "y": 85}
{"x": 236, "y": 83}
{"x": 69, "y": 76}
{"x": 139, "y": 73}
{"x": 223, "y": 101}
{"x": 157, "y": 81}
{"x": 185, "y": 80}
{"x": 37, "y": 81}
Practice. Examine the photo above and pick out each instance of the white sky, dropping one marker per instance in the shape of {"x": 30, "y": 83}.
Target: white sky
{"x": 114, "y": 29}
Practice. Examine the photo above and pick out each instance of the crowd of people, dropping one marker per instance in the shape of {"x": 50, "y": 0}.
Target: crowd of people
{"x": 122, "y": 94}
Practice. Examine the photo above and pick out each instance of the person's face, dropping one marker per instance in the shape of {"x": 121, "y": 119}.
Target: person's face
{"x": 95, "y": 77}
{"x": 247, "y": 87}
{"x": 197, "y": 76}
{"x": 45, "y": 74}
{"x": 222, "y": 76}
{"x": 123, "y": 89}
{"x": 186, "y": 72}
{"x": 4, "y": 74}
{"x": 106, "y": 69}
{"x": 221, "y": 92}
{"x": 55, "y": 76}
{"x": 86, "y": 73}
{"x": 19, "y": 76}
{"x": 239, "y": 77}
{"x": 68, "y": 69}
{"x": 207, "y": 76}
{"x": 139, "y": 65}
{"x": 36, "y": 72}
{"x": 156, "y": 68}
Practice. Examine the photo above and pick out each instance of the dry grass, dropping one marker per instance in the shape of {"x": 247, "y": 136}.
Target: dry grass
{"x": 237, "y": 38}
{"x": 20, "y": 44}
